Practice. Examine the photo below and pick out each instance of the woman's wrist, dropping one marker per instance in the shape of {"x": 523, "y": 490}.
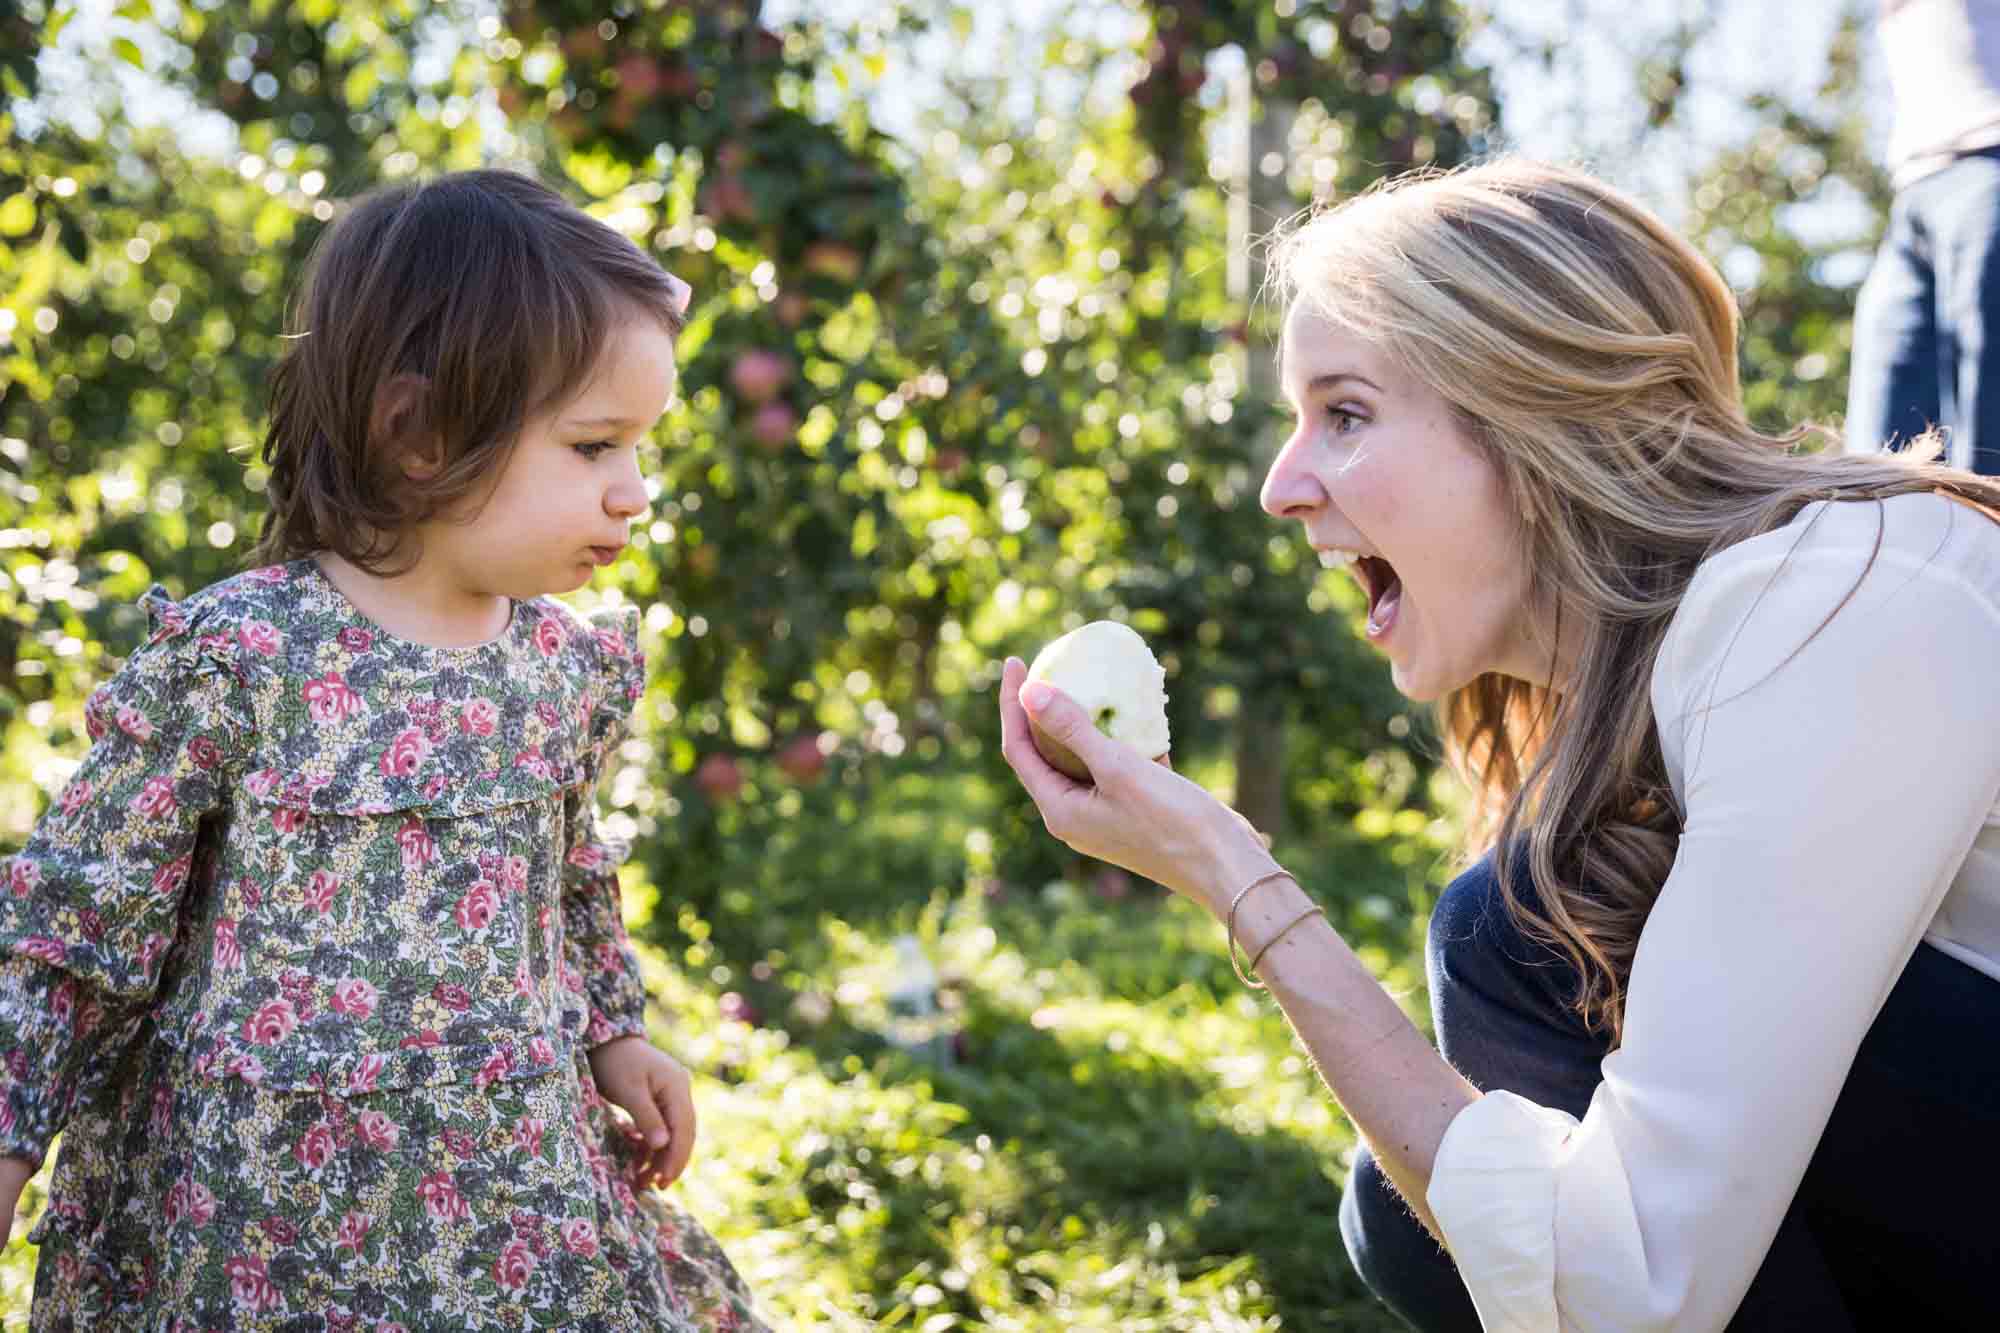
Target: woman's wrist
{"x": 1239, "y": 860}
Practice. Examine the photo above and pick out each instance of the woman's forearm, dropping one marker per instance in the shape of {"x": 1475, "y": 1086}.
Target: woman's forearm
{"x": 1394, "y": 1086}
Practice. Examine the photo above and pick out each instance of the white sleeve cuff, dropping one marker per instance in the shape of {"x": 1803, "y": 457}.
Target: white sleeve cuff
{"x": 1493, "y": 1193}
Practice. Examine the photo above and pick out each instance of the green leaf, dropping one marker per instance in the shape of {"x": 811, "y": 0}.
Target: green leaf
{"x": 17, "y": 215}
{"x": 360, "y": 85}
{"x": 128, "y": 51}
{"x": 274, "y": 223}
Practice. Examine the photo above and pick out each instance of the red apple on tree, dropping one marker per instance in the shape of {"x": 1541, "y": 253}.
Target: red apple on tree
{"x": 759, "y": 373}
{"x": 719, "y": 778}
{"x": 727, "y": 199}
{"x": 792, "y": 309}
{"x": 774, "y": 425}
{"x": 802, "y": 759}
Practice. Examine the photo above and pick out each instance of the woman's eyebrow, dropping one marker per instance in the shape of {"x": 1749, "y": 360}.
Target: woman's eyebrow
{"x": 1327, "y": 381}
{"x": 620, "y": 422}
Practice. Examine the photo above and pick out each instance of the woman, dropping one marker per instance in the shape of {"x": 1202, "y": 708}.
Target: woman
{"x": 1716, "y": 1025}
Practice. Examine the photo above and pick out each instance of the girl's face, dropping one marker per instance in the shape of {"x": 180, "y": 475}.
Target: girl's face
{"x": 571, "y": 487}
{"x": 1377, "y": 468}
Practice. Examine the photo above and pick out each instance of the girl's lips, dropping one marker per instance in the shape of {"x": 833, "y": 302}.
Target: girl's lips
{"x": 604, "y": 555}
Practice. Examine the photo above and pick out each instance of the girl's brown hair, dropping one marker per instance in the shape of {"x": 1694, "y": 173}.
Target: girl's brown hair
{"x": 488, "y": 286}
{"x": 1591, "y": 354}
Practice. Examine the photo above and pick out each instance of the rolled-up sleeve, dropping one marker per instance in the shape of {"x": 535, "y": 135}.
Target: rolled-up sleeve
{"x": 1835, "y": 740}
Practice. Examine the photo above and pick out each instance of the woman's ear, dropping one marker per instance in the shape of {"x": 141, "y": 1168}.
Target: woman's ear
{"x": 399, "y": 427}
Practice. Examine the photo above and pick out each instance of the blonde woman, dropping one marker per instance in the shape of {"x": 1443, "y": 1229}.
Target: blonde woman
{"x": 1718, "y": 1022}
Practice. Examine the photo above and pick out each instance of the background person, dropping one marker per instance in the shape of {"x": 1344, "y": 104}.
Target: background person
{"x": 1927, "y": 321}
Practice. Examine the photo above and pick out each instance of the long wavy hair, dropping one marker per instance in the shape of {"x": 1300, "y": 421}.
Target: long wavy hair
{"x": 1590, "y": 353}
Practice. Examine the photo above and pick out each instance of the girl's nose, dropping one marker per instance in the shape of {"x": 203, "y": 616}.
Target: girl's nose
{"x": 626, "y": 498}
{"x": 1290, "y": 488}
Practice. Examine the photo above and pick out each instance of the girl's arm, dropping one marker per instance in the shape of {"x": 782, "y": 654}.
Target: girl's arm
{"x": 15, "y": 1172}
{"x": 596, "y": 948}
{"x": 91, "y": 901}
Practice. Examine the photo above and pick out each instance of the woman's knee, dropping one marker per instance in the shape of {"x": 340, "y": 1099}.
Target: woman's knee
{"x": 1397, "y": 1258}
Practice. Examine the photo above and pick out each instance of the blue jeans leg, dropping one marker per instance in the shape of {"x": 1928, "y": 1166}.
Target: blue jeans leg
{"x": 1892, "y": 383}
{"x": 1963, "y": 205}
{"x": 1927, "y": 321}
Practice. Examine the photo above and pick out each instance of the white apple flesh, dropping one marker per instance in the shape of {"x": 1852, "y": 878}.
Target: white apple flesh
{"x": 1111, "y": 673}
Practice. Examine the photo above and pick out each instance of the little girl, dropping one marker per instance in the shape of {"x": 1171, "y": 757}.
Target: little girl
{"x": 317, "y": 962}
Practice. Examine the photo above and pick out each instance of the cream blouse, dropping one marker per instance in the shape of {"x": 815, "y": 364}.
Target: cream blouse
{"x": 1839, "y": 779}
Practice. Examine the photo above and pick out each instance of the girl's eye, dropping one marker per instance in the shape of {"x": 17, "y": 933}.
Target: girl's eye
{"x": 593, "y": 450}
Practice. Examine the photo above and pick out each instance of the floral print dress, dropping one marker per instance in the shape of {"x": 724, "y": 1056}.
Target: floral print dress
{"x": 305, "y": 964}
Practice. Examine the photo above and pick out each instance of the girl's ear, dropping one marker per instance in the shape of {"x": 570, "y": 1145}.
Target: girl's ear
{"x": 399, "y": 426}
{"x": 679, "y": 293}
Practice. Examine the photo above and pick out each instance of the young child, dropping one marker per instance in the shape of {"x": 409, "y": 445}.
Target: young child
{"x": 317, "y": 962}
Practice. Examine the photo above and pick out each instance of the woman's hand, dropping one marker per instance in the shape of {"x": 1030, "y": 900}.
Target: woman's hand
{"x": 1139, "y": 815}
{"x": 655, "y": 1090}
{"x": 15, "y": 1172}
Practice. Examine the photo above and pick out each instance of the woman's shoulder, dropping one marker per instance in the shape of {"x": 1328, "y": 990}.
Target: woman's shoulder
{"x": 1918, "y": 532}
{"x": 1926, "y": 564}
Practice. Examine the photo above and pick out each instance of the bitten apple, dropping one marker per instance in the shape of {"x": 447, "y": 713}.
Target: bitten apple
{"x": 1108, "y": 669}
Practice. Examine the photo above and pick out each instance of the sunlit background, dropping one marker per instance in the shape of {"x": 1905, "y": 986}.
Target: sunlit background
{"x": 975, "y": 356}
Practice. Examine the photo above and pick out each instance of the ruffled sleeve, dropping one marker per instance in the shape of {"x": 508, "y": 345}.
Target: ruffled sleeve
{"x": 93, "y": 897}
{"x": 596, "y": 946}
{"x": 1828, "y": 714}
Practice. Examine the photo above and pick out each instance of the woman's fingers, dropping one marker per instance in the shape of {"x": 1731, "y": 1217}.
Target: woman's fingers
{"x": 1045, "y": 782}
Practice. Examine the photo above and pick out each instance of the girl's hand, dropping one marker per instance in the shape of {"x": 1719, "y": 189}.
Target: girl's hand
{"x": 655, "y": 1090}
{"x": 15, "y": 1172}
{"x": 1139, "y": 815}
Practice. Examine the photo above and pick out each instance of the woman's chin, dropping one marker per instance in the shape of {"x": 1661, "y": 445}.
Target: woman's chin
{"x": 1413, "y": 685}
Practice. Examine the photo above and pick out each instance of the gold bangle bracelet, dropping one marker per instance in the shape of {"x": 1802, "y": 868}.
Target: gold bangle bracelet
{"x": 1314, "y": 910}
{"x": 1230, "y": 928}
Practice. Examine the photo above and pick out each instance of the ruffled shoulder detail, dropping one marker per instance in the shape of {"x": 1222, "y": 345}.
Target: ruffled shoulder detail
{"x": 619, "y": 678}
{"x": 237, "y": 623}
{"x": 192, "y": 663}
{"x": 600, "y": 654}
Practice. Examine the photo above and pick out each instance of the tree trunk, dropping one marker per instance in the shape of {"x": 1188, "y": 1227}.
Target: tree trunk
{"x": 1260, "y": 130}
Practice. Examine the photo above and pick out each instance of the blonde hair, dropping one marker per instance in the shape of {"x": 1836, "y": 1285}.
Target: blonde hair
{"x": 1590, "y": 353}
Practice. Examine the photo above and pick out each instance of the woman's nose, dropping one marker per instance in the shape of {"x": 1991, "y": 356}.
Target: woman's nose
{"x": 1290, "y": 488}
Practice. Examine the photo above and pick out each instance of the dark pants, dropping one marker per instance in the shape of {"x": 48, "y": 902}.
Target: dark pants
{"x": 1897, "y": 1223}
{"x": 1927, "y": 321}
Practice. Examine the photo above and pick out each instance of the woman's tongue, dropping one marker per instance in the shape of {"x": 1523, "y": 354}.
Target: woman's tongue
{"x": 1385, "y": 596}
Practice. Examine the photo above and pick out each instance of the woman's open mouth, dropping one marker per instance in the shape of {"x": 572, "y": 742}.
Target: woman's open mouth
{"x": 1379, "y": 580}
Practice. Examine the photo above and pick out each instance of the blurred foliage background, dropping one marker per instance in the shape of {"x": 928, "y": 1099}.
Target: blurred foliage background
{"x": 975, "y": 357}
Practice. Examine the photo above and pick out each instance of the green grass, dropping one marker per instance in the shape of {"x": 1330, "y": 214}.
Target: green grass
{"x": 1131, "y": 1142}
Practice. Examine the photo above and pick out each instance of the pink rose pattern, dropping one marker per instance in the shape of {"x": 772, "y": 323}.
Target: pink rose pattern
{"x": 399, "y": 954}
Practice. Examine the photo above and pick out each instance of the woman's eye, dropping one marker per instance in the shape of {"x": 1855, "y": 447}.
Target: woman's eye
{"x": 1344, "y": 421}
{"x": 592, "y": 450}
